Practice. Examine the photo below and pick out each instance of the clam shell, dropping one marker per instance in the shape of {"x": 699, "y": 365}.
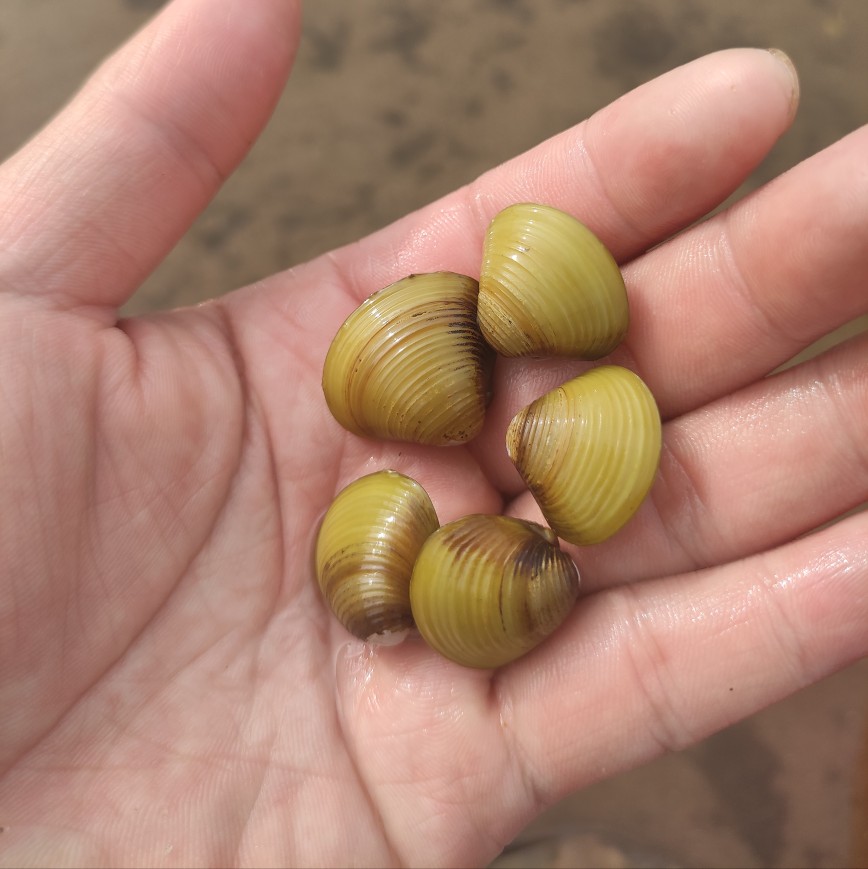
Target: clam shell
{"x": 410, "y": 363}
{"x": 549, "y": 287}
{"x": 365, "y": 550}
{"x": 487, "y": 589}
{"x": 588, "y": 451}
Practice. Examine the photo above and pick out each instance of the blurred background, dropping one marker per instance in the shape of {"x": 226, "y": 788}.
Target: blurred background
{"x": 396, "y": 102}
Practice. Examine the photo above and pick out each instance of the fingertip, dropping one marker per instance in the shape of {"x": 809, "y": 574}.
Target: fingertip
{"x": 788, "y": 74}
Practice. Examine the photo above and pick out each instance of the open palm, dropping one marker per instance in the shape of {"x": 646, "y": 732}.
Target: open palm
{"x": 172, "y": 689}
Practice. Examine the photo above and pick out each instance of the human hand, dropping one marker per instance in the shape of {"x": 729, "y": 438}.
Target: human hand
{"x": 172, "y": 688}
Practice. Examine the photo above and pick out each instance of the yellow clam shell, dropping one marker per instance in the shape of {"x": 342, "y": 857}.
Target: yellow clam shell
{"x": 410, "y": 363}
{"x": 588, "y": 451}
{"x": 549, "y": 287}
{"x": 365, "y": 550}
{"x": 487, "y": 589}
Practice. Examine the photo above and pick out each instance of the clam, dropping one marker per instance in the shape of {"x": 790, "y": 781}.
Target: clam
{"x": 487, "y": 589}
{"x": 588, "y": 451}
{"x": 365, "y": 550}
{"x": 549, "y": 287}
{"x": 410, "y": 363}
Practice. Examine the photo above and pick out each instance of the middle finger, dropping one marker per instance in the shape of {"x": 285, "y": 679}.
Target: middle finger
{"x": 729, "y": 299}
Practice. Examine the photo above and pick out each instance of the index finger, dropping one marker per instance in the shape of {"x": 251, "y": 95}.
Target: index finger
{"x": 635, "y": 172}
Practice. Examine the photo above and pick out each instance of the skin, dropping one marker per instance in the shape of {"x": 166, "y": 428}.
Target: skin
{"x": 172, "y": 689}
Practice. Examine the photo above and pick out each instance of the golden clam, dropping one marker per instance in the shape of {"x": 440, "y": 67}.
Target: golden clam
{"x": 549, "y": 287}
{"x": 365, "y": 551}
{"x": 410, "y": 363}
{"x": 588, "y": 451}
{"x": 487, "y": 589}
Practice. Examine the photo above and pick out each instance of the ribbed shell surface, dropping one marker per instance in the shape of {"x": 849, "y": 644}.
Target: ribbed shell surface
{"x": 410, "y": 363}
{"x": 487, "y": 589}
{"x": 367, "y": 544}
{"x": 588, "y": 451}
{"x": 549, "y": 287}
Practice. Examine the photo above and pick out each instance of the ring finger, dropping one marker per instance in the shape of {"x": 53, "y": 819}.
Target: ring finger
{"x": 746, "y": 473}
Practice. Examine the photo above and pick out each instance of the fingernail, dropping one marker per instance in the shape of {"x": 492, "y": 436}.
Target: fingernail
{"x": 792, "y": 76}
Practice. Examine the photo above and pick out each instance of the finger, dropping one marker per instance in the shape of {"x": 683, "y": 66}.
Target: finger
{"x": 728, "y": 300}
{"x": 645, "y": 669}
{"x": 94, "y": 201}
{"x": 736, "y": 296}
{"x": 748, "y": 472}
{"x": 623, "y": 172}
{"x": 467, "y": 758}
{"x": 637, "y": 170}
